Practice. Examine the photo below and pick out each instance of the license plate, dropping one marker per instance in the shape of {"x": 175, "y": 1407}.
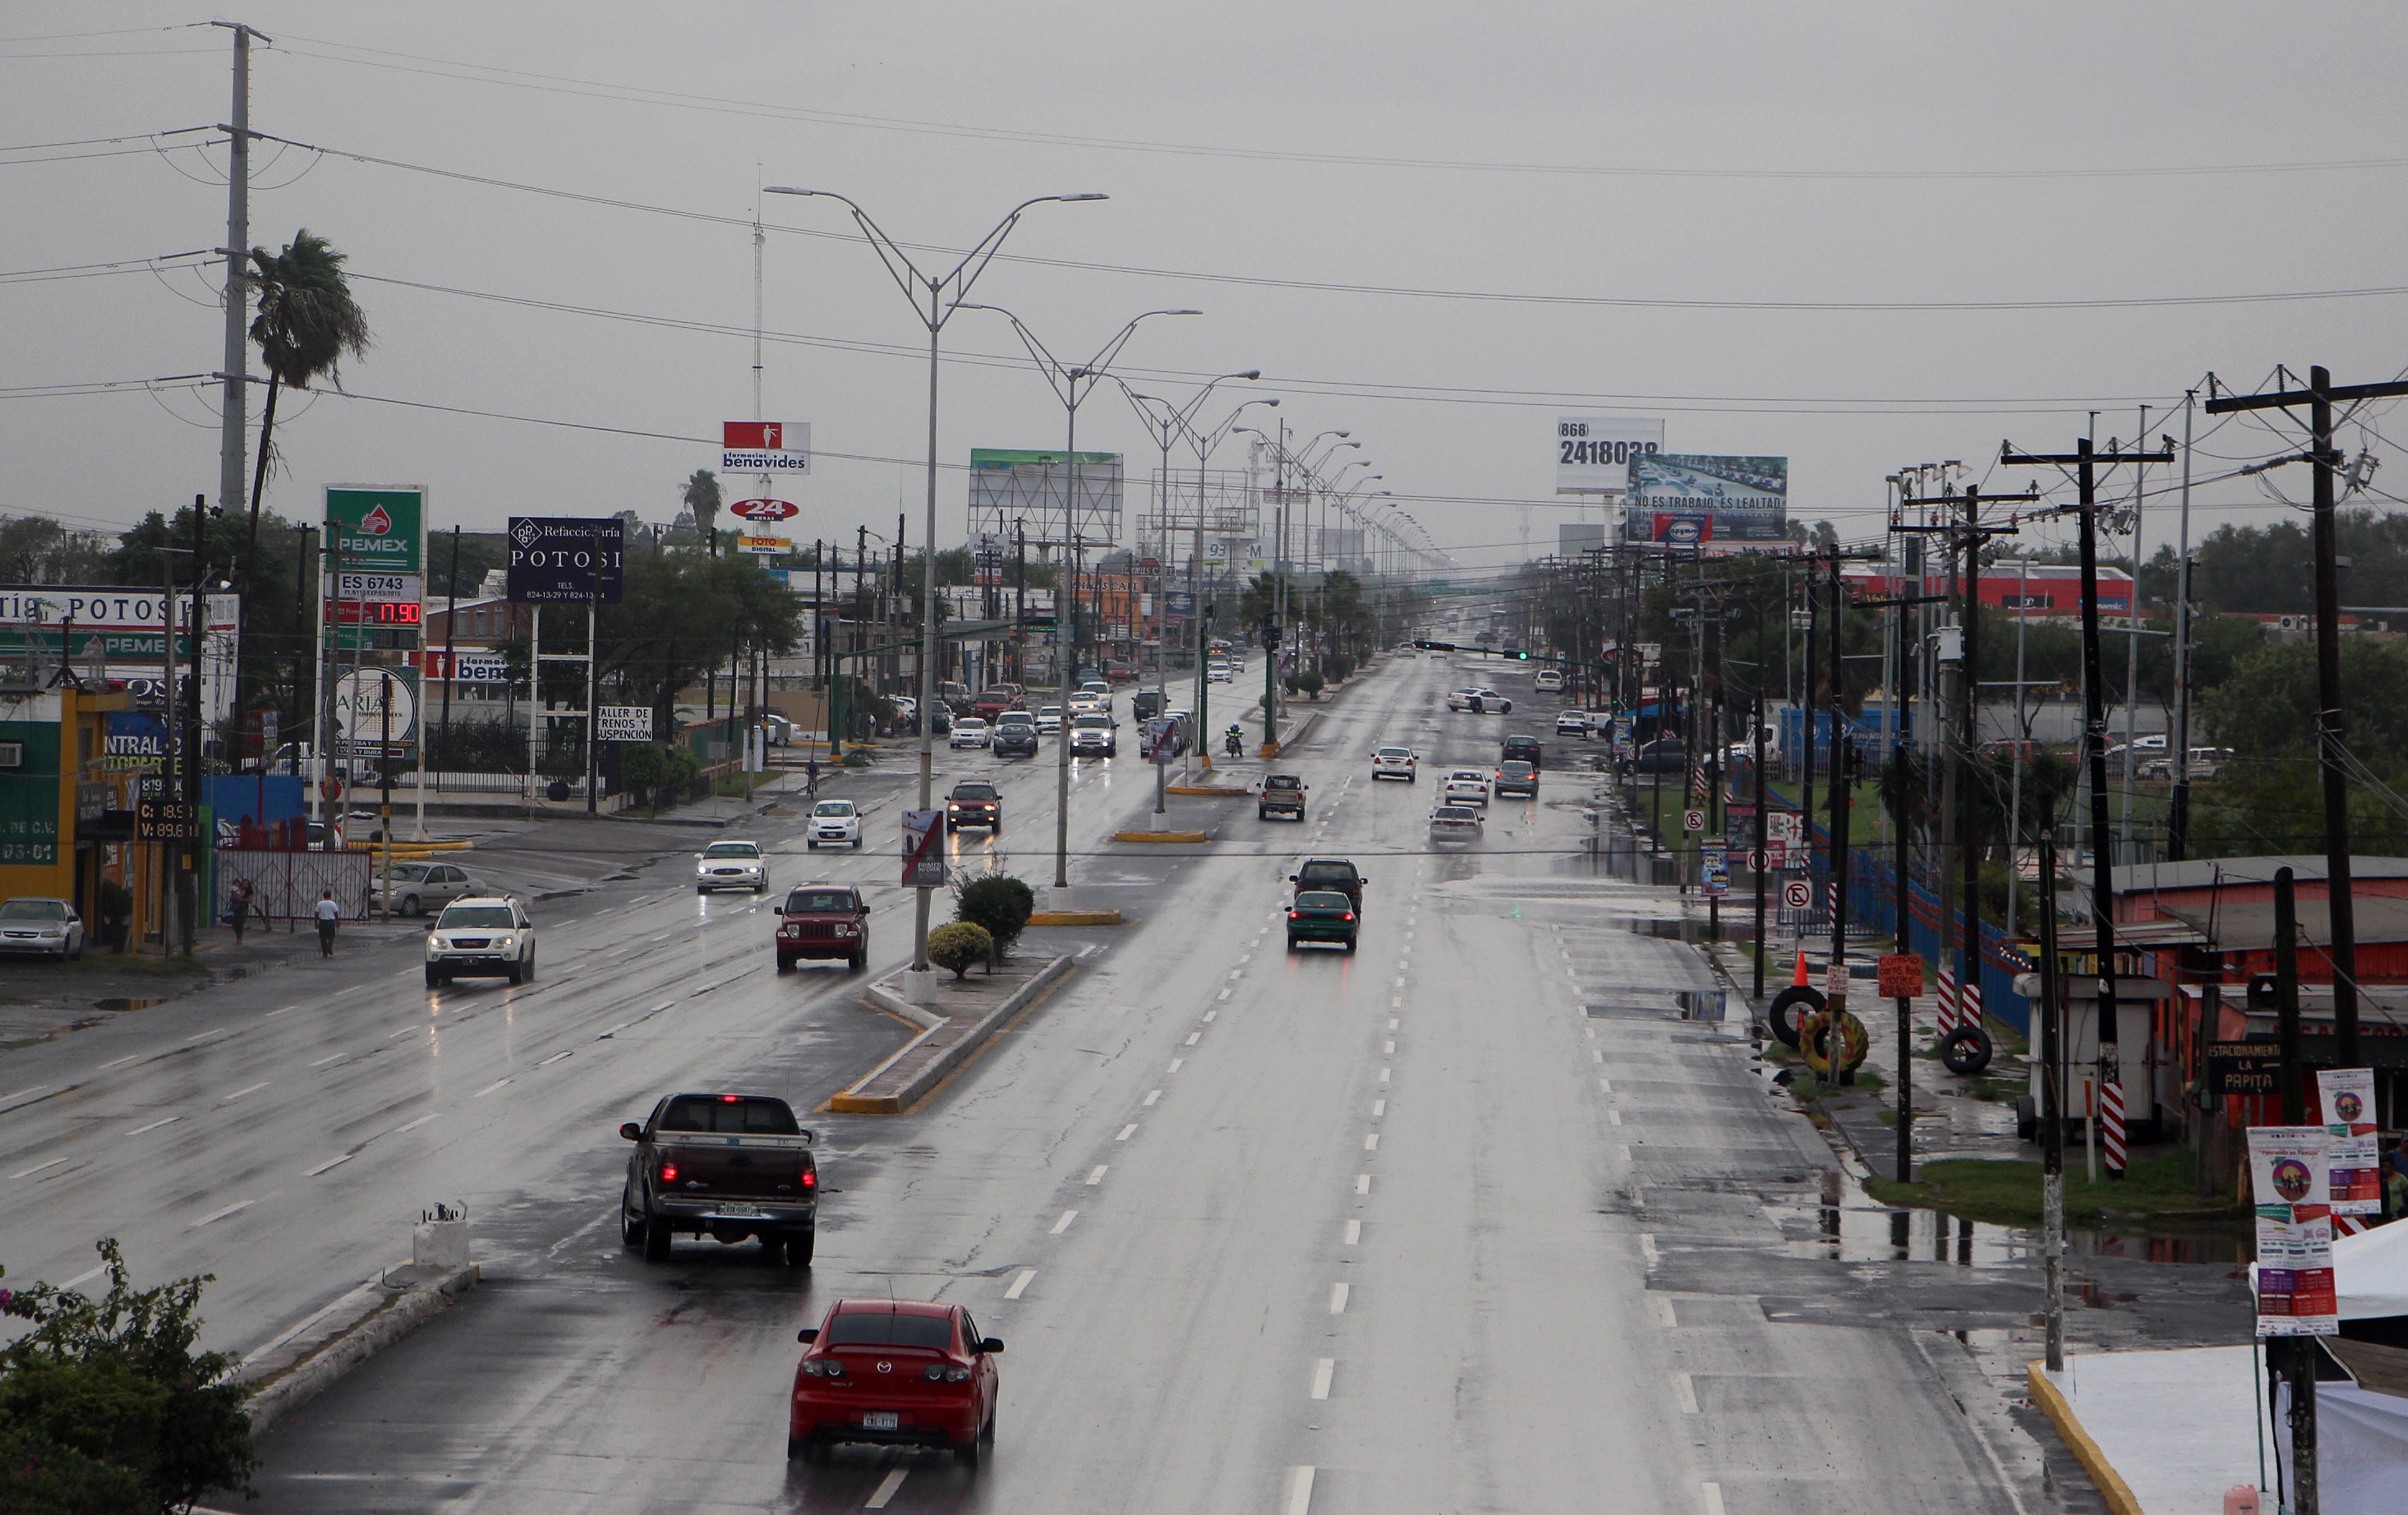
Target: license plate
{"x": 882, "y": 1420}
{"x": 742, "y": 1212}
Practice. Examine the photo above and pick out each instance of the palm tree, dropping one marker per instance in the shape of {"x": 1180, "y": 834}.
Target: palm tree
{"x": 701, "y": 497}
{"x": 307, "y": 323}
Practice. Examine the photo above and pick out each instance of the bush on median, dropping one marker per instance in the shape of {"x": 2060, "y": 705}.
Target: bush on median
{"x": 960, "y": 947}
{"x": 999, "y": 904}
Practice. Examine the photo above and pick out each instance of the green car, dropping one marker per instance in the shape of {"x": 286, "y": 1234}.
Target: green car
{"x": 1321, "y": 915}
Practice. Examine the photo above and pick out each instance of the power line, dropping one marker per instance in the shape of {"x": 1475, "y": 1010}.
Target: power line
{"x": 638, "y": 94}
{"x": 1410, "y": 292}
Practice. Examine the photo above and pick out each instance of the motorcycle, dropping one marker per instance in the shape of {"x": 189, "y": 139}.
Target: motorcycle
{"x": 1233, "y": 743}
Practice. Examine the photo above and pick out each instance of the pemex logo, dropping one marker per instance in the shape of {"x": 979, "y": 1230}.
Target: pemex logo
{"x": 375, "y": 523}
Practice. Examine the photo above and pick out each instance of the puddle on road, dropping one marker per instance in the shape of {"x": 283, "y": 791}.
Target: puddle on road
{"x": 122, "y": 1004}
{"x": 1863, "y": 1232}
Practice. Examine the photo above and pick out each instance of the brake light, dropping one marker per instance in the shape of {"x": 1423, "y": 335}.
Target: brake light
{"x": 1347, "y": 916}
{"x": 668, "y": 1172}
{"x": 1291, "y": 914}
{"x": 947, "y": 1372}
{"x": 810, "y": 1177}
{"x": 730, "y": 1099}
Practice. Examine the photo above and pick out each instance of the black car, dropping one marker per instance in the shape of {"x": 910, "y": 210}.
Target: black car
{"x": 1015, "y": 738}
{"x": 1517, "y": 777}
{"x": 1145, "y": 704}
{"x": 1324, "y": 915}
{"x": 1521, "y": 750}
{"x": 974, "y": 802}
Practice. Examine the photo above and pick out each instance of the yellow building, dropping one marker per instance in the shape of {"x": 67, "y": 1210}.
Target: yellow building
{"x": 67, "y": 800}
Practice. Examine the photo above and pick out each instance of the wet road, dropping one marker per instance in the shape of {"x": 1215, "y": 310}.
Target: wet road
{"x": 1466, "y": 1221}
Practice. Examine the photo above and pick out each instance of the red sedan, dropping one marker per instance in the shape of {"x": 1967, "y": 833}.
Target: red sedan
{"x": 896, "y": 1373}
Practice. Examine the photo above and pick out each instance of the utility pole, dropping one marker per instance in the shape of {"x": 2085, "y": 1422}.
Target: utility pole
{"x": 1835, "y": 989}
{"x": 2178, "y": 813}
{"x": 232, "y": 414}
{"x": 2087, "y": 462}
{"x": 1763, "y": 844}
{"x": 2318, "y": 397}
{"x": 2051, "y": 1105}
{"x": 2294, "y": 1357}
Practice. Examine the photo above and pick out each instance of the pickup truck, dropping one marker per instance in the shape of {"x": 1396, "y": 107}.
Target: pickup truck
{"x": 1282, "y": 793}
{"x": 824, "y": 921}
{"x": 728, "y": 1167}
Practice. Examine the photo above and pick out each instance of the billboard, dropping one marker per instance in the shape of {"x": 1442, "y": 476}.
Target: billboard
{"x": 1573, "y": 539}
{"x": 1593, "y": 454}
{"x": 1708, "y": 504}
{"x": 764, "y": 447}
{"x": 115, "y": 634}
{"x": 1053, "y": 499}
{"x": 574, "y": 559}
{"x": 380, "y": 528}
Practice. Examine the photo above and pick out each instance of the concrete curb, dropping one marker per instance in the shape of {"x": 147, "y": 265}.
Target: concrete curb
{"x": 1159, "y": 836}
{"x": 2052, "y": 1401}
{"x": 1075, "y": 918}
{"x": 291, "y": 1372}
{"x": 918, "y": 1085}
{"x": 1207, "y": 790}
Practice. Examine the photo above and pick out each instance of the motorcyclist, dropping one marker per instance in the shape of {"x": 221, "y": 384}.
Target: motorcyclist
{"x": 1233, "y": 742}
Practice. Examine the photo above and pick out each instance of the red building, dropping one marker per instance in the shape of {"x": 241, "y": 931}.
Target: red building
{"x": 2042, "y": 589}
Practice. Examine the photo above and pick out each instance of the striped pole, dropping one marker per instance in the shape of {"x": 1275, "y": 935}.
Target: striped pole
{"x": 1947, "y": 1000}
{"x": 2111, "y": 1125}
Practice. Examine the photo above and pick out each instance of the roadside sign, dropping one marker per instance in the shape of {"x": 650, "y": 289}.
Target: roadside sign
{"x": 2290, "y": 1185}
{"x": 1693, "y": 820}
{"x": 1797, "y": 894}
{"x": 381, "y": 588}
{"x": 763, "y": 546}
{"x": 166, "y": 821}
{"x": 764, "y": 447}
{"x": 566, "y": 559}
{"x": 1835, "y": 981}
{"x": 624, "y": 724}
{"x": 924, "y": 849}
{"x": 764, "y": 510}
{"x": 1901, "y": 975}
{"x": 362, "y": 697}
{"x": 2243, "y": 1067}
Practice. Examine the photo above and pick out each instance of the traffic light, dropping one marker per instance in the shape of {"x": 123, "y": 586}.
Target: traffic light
{"x": 1270, "y": 632}
{"x": 1434, "y": 647}
{"x": 1520, "y": 656}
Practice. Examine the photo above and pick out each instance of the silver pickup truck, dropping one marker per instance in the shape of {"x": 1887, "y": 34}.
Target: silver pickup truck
{"x": 1282, "y": 793}
{"x": 728, "y": 1167}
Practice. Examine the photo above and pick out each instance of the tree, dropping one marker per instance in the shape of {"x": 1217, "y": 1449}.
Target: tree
{"x": 701, "y": 496}
{"x": 999, "y": 904}
{"x": 34, "y": 549}
{"x": 307, "y": 323}
{"x": 104, "y": 1408}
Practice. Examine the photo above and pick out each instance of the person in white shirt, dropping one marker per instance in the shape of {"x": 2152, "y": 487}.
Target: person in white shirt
{"x": 328, "y": 912}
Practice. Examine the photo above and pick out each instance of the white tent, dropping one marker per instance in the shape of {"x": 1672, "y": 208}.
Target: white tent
{"x": 2370, "y": 1272}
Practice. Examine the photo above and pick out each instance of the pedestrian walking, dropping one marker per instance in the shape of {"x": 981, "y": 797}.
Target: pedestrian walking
{"x": 328, "y": 912}
{"x": 239, "y": 898}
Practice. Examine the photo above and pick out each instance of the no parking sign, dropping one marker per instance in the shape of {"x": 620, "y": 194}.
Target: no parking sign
{"x": 1797, "y": 894}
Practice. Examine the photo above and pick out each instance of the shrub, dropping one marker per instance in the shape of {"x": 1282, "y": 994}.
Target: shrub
{"x": 1000, "y": 904}
{"x": 859, "y": 757}
{"x": 643, "y": 766}
{"x": 105, "y": 1407}
{"x": 1306, "y": 682}
{"x": 960, "y": 947}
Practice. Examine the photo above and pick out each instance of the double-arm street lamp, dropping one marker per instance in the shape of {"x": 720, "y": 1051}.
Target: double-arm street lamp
{"x": 943, "y": 293}
{"x": 1072, "y": 384}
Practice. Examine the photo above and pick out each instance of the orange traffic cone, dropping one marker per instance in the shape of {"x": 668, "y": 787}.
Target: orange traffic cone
{"x": 1799, "y": 980}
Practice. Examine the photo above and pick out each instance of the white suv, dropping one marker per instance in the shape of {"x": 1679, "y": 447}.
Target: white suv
{"x": 1549, "y": 679}
{"x": 1093, "y": 733}
{"x": 835, "y": 822}
{"x": 480, "y": 938}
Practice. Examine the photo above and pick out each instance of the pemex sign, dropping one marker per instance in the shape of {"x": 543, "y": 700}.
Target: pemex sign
{"x": 377, "y": 527}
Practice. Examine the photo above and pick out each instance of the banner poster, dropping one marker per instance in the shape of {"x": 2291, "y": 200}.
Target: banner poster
{"x": 2289, "y": 1173}
{"x": 1713, "y": 872}
{"x": 2345, "y": 1104}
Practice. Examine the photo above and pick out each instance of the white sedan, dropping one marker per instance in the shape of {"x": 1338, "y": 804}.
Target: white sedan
{"x": 833, "y": 824}
{"x": 731, "y": 866}
{"x": 1468, "y": 786}
{"x": 1572, "y": 724}
{"x": 1049, "y": 720}
{"x": 969, "y": 730}
{"x": 1395, "y": 762}
{"x": 1455, "y": 824}
{"x": 1479, "y": 701}
{"x": 1219, "y": 672}
{"x": 41, "y": 927}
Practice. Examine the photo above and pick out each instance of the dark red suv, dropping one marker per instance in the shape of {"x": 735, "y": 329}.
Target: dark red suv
{"x": 824, "y": 921}
{"x": 893, "y": 1372}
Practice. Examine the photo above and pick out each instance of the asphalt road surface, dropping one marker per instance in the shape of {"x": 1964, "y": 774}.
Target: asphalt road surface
{"x": 1470, "y": 1220}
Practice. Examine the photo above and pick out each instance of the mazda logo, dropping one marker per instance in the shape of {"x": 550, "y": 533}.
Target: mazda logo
{"x": 885, "y": 1368}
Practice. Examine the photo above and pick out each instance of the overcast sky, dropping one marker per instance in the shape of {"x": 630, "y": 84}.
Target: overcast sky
{"x": 1698, "y": 156}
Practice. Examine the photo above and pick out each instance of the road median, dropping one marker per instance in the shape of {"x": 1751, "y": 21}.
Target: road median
{"x": 1160, "y": 836}
{"x": 297, "y": 1366}
{"x": 951, "y": 1035}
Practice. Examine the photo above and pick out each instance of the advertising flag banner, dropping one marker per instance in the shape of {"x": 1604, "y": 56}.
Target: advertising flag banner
{"x": 2289, "y": 1176}
{"x": 1713, "y": 872}
{"x": 764, "y": 447}
{"x": 1705, "y": 503}
{"x": 924, "y": 849}
{"x": 1593, "y": 454}
{"x": 2345, "y": 1103}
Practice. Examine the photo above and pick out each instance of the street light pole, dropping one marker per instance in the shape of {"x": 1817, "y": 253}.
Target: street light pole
{"x": 1065, "y": 383}
{"x": 944, "y": 293}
